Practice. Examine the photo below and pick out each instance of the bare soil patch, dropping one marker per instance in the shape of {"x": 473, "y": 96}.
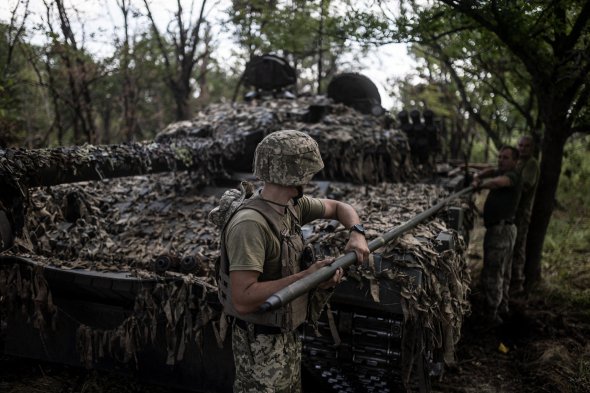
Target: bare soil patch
{"x": 545, "y": 344}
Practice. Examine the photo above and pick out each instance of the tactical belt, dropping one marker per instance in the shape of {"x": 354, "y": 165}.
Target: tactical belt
{"x": 501, "y": 222}
{"x": 258, "y": 329}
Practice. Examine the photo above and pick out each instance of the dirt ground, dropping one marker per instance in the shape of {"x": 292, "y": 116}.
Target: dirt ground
{"x": 544, "y": 344}
{"x": 544, "y": 351}
{"x": 541, "y": 347}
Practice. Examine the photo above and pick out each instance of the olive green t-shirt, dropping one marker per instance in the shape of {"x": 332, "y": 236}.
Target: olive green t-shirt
{"x": 529, "y": 173}
{"x": 251, "y": 244}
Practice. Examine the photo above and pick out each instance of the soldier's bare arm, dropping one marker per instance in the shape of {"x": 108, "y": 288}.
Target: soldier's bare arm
{"x": 496, "y": 182}
{"x": 248, "y": 293}
{"x": 348, "y": 217}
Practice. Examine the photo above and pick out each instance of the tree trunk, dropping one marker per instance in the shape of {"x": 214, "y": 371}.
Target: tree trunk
{"x": 106, "y": 125}
{"x": 87, "y": 111}
{"x": 321, "y": 46}
{"x": 181, "y": 100}
{"x": 456, "y": 139}
{"x": 551, "y": 160}
{"x": 204, "y": 93}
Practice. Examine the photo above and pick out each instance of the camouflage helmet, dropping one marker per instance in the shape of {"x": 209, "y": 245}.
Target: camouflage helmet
{"x": 287, "y": 158}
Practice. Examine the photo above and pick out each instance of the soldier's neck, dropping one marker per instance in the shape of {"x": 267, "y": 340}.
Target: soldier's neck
{"x": 276, "y": 194}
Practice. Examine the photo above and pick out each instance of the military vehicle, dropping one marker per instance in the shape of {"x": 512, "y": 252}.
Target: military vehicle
{"x": 107, "y": 256}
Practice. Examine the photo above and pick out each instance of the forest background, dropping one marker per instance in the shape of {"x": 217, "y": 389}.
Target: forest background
{"x": 493, "y": 70}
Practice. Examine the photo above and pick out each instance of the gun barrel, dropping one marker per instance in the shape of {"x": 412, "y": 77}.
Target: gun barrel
{"x": 51, "y": 166}
{"x": 189, "y": 264}
{"x": 165, "y": 262}
{"x": 306, "y": 284}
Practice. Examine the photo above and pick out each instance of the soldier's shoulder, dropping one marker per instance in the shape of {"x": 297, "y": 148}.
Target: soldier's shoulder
{"x": 247, "y": 215}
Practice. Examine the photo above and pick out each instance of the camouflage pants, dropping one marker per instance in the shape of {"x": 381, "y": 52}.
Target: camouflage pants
{"x": 518, "y": 256}
{"x": 495, "y": 275}
{"x": 266, "y": 363}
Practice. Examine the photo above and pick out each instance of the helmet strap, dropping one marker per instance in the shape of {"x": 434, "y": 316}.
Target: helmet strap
{"x": 299, "y": 195}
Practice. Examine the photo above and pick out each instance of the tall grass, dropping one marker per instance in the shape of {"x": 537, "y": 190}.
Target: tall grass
{"x": 566, "y": 252}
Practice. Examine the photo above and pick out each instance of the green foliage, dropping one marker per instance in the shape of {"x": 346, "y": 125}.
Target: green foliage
{"x": 478, "y": 151}
{"x": 221, "y": 82}
{"x": 305, "y": 31}
{"x": 288, "y": 29}
{"x": 10, "y": 93}
{"x": 263, "y": 27}
{"x": 575, "y": 179}
{"x": 434, "y": 96}
{"x": 10, "y": 121}
{"x": 153, "y": 100}
{"x": 38, "y": 98}
{"x": 566, "y": 253}
{"x": 466, "y": 75}
{"x": 22, "y": 103}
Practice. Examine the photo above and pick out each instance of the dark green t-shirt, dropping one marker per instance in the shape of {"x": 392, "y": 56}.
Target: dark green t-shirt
{"x": 501, "y": 203}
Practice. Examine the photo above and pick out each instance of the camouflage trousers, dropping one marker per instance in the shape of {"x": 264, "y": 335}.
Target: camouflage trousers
{"x": 519, "y": 255}
{"x": 266, "y": 363}
{"x": 495, "y": 276}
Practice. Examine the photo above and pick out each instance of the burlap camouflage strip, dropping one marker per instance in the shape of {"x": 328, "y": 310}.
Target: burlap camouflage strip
{"x": 25, "y": 290}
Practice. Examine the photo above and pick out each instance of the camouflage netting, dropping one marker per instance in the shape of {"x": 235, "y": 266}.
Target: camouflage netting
{"x": 181, "y": 304}
{"x": 184, "y": 308}
{"x": 46, "y": 167}
{"x": 220, "y": 135}
{"x": 437, "y": 307}
{"x": 354, "y": 146}
{"x": 27, "y": 291}
{"x": 120, "y": 224}
{"x": 21, "y": 169}
{"x": 125, "y": 224}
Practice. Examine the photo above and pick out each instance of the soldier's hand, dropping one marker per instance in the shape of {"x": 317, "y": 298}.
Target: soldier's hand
{"x": 332, "y": 281}
{"x": 476, "y": 182}
{"x": 358, "y": 243}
